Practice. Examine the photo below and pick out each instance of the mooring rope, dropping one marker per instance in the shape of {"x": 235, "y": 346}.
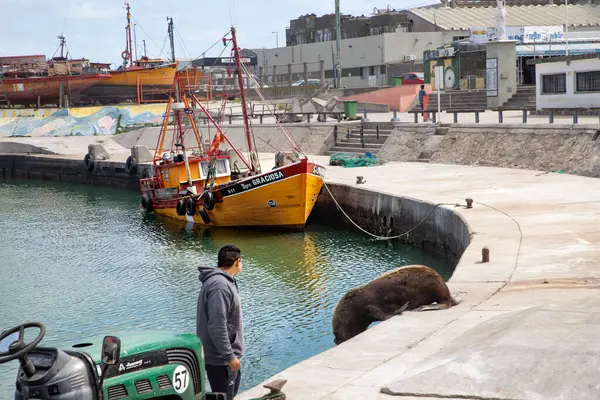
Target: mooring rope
{"x": 377, "y": 237}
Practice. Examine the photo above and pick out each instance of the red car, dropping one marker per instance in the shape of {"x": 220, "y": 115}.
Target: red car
{"x": 413, "y": 78}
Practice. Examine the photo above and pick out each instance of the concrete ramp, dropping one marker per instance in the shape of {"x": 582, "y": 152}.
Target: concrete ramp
{"x": 67, "y": 146}
{"x": 400, "y": 97}
{"x": 514, "y": 355}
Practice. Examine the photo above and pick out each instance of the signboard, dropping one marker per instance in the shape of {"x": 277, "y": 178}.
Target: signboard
{"x": 222, "y": 61}
{"x": 491, "y": 77}
{"x": 521, "y": 34}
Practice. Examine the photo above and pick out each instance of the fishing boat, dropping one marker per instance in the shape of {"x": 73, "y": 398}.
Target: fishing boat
{"x": 133, "y": 81}
{"x": 31, "y": 80}
{"x": 207, "y": 185}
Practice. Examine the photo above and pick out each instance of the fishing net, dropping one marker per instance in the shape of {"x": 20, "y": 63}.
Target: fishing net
{"x": 349, "y": 160}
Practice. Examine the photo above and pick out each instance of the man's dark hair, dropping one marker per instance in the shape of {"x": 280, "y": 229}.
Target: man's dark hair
{"x": 228, "y": 255}
{"x": 422, "y": 86}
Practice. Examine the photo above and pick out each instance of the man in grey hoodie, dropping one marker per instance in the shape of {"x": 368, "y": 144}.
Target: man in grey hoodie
{"x": 219, "y": 321}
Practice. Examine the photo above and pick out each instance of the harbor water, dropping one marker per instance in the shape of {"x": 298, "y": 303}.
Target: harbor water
{"x": 86, "y": 261}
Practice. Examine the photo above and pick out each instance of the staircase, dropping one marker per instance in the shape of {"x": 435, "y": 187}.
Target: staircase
{"x": 433, "y": 143}
{"x": 523, "y": 99}
{"x": 456, "y": 99}
{"x": 374, "y": 135}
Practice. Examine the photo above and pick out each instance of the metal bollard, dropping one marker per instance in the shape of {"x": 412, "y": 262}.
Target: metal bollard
{"x": 500, "y": 118}
{"x": 524, "y": 116}
{"x": 485, "y": 255}
{"x": 396, "y": 119}
{"x": 576, "y": 117}
{"x": 365, "y": 118}
{"x": 476, "y": 117}
{"x": 551, "y": 117}
{"x": 377, "y": 132}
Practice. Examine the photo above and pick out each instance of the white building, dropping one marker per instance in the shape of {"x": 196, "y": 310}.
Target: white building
{"x": 568, "y": 82}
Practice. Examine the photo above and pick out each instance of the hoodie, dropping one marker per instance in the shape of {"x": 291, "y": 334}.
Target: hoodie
{"x": 219, "y": 317}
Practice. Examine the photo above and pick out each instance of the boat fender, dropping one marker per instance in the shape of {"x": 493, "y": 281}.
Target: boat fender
{"x": 180, "y": 207}
{"x": 131, "y": 165}
{"x": 190, "y": 206}
{"x": 89, "y": 162}
{"x": 208, "y": 200}
{"x": 146, "y": 203}
{"x": 204, "y": 214}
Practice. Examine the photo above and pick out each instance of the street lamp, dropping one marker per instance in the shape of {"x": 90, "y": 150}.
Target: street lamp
{"x": 277, "y": 38}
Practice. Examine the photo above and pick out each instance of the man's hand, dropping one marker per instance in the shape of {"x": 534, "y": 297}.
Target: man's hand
{"x": 234, "y": 364}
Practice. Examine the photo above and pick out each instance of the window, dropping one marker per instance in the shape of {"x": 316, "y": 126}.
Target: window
{"x": 588, "y": 81}
{"x": 556, "y": 83}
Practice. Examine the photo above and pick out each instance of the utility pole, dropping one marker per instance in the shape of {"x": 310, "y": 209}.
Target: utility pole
{"x": 170, "y": 30}
{"x": 566, "y": 28}
{"x": 338, "y": 39}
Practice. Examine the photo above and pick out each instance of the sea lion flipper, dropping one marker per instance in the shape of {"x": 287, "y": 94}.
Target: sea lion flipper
{"x": 401, "y": 309}
{"x": 433, "y": 306}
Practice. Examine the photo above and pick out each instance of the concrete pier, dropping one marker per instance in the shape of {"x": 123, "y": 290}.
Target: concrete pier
{"x": 527, "y": 326}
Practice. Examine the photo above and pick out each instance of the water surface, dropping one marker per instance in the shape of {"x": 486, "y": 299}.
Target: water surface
{"x": 87, "y": 261}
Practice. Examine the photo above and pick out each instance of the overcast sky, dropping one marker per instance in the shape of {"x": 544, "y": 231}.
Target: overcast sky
{"x": 95, "y": 29}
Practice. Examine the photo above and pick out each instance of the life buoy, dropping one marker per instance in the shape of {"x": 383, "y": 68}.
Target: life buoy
{"x": 89, "y": 162}
{"x": 125, "y": 55}
{"x": 190, "y": 206}
{"x": 131, "y": 165}
{"x": 204, "y": 215}
{"x": 180, "y": 207}
{"x": 208, "y": 200}
{"x": 146, "y": 203}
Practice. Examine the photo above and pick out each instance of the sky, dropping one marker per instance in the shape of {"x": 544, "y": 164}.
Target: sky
{"x": 95, "y": 29}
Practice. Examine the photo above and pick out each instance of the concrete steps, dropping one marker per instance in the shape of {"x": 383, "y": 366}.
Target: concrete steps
{"x": 524, "y": 98}
{"x": 374, "y": 136}
{"x": 457, "y": 99}
{"x": 433, "y": 143}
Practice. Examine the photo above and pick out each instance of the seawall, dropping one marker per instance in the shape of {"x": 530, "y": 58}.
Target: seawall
{"x": 436, "y": 229}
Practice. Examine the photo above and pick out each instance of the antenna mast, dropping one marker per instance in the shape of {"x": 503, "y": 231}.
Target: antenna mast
{"x": 129, "y": 46}
{"x": 170, "y": 30}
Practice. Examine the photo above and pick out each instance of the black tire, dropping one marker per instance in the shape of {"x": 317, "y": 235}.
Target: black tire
{"x": 204, "y": 215}
{"x": 131, "y": 165}
{"x": 208, "y": 200}
{"x": 89, "y": 162}
{"x": 180, "y": 207}
{"x": 147, "y": 203}
{"x": 190, "y": 206}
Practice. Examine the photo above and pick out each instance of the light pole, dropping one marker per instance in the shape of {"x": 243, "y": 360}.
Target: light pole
{"x": 566, "y": 28}
{"x": 276, "y": 39}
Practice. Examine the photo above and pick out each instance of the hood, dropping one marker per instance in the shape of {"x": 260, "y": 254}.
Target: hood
{"x": 207, "y": 272}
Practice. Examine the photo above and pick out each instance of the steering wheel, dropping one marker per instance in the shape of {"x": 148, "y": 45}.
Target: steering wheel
{"x": 18, "y": 348}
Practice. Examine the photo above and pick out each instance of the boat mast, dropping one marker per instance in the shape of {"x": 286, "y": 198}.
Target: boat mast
{"x": 236, "y": 50}
{"x": 129, "y": 43}
{"x": 170, "y": 31}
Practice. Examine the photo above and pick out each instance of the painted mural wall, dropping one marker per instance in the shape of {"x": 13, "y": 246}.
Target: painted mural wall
{"x": 81, "y": 121}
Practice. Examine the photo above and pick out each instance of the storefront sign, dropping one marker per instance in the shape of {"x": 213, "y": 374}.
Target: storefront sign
{"x": 521, "y": 34}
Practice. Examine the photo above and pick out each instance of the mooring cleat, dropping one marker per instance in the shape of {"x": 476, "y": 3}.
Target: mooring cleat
{"x": 275, "y": 388}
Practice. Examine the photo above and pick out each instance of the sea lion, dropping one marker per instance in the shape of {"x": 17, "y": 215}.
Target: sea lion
{"x": 412, "y": 287}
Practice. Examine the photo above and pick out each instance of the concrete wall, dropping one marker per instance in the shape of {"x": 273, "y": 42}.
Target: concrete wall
{"x": 77, "y": 121}
{"x": 443, "y": 232}
{"x": 406, "y": 142}
{"x": 574, "y": 150}
{"x": 571, "y": 99}
{"x": 505, "y": 53}
{"x": 105, "y": 173}
{"x": 356, "y": 53}
{"x": 313, "y": 138}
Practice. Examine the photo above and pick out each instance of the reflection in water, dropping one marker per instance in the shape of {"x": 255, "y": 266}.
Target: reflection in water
{"x": 87, "y": 261}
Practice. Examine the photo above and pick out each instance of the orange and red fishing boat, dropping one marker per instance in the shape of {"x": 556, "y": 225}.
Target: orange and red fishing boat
{"x": 212, "y": 186}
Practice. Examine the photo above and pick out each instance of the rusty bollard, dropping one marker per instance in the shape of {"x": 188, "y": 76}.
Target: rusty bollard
{"x": 485, "y": 255}
{"x": 275, "y": 389}
{"x": 469, "y": 202}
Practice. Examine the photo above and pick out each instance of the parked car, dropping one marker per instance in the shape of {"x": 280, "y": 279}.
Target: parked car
{"x": 413, "y": 78}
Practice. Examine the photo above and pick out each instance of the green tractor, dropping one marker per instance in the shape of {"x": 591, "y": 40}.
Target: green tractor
{"x": 154, "y": 365}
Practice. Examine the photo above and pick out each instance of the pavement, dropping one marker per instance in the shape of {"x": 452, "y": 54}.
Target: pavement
{"x": 528, "y": 323}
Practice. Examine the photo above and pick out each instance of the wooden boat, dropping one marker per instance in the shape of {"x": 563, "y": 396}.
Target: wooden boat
{"x": 210, "y": 187}
{"x": 47, "y": 89}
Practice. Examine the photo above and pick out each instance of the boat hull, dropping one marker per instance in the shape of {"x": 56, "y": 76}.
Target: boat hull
{"x": 281, "y": 198}
{"x": 126, "y": 85}
{"x": 26, "y": 91}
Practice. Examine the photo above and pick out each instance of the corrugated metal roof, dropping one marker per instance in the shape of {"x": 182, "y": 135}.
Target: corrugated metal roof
{"x": 464, "y": 18}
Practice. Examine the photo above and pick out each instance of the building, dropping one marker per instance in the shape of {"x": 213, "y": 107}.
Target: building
{"x": 568, "y": 82}
{"x": 447, "y": 33}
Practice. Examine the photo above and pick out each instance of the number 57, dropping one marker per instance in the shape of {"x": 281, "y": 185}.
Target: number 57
{"x": 180, "y": 380}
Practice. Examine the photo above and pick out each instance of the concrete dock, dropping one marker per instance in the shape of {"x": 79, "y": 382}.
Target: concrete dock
{"x": 527, "y": 327}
